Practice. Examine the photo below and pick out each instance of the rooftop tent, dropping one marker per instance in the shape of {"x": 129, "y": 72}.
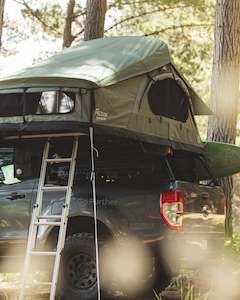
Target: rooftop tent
{"x": 129, "y": 83}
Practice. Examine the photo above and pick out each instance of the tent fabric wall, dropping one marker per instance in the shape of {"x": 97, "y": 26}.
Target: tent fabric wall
{"x": 121, "y": 106}
{"x": 121, "y": 109}
{"x": 115, "y": 104}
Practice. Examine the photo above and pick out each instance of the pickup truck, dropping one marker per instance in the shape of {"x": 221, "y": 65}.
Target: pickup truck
{"x": 155, "y": 197}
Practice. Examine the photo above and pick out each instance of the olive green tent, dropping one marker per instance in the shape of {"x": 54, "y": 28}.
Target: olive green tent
{"x": 124, "y": 86}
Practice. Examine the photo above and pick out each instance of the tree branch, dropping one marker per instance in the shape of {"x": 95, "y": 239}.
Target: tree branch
{"x": 178, "y": 27}
{"x": 79, "y": 13}
{"x": 36, "y": 16}
{"x": 78, "y": 33}
{"x": 112, "y": 5}
{"x": 145, "y": 13}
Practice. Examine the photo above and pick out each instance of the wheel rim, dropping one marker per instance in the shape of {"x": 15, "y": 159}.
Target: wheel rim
{"x": 81, "y": 271}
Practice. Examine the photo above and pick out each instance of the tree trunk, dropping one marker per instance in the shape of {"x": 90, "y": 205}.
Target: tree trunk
{"x": 225, "y": 85}
{"x": 95, "y": 19}
{"x": 2, "y": 4}
{"x": 68, "y": 38}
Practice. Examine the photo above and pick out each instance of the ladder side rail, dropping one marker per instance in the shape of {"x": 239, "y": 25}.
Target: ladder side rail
{"x": 42, "y": 177}
{"x": 63, "y": 227}
{"x": 32, "y": 228}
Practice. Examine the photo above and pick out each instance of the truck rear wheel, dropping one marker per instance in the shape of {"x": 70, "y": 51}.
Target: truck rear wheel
{"x": 78, "y": 273}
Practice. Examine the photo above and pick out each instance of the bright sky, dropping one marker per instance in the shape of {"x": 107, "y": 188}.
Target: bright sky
{"x": 30, "y": 50}
{"x": 27, "y": 50}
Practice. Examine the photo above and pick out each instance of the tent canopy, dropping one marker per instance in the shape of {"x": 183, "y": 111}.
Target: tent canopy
{"x": 99, "y": 63}
{"x": 126, "y": 87}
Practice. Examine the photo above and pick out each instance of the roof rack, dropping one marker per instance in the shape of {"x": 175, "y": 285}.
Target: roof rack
{"x": 49, "y": 135}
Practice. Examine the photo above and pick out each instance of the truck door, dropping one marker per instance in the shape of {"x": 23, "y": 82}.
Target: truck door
{"x": 15, "y": 199}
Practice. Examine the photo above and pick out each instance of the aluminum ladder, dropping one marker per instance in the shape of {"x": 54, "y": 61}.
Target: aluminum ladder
{"x": 49, "y": 220}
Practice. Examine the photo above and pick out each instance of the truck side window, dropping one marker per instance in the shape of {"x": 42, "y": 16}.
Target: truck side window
{"x": 188, "y": 168}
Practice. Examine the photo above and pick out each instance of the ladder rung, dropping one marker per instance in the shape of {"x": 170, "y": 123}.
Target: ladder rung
{"x": 49, "y": 217}
{"x": 58, "y": 160}
{"x": 54, "y": 188}
{"x": 43, "y": 253}
{"x": 42, "y": 283}
{"x": 48, "y": 223}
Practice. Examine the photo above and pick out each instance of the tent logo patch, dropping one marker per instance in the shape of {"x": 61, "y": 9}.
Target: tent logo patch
{"x": 101, "y": 115}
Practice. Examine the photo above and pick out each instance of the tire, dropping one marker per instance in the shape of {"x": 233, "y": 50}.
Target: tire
{"x": 78, "y": 274}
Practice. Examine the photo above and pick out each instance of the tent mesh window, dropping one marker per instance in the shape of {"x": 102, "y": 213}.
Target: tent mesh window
{"x": 11, "y": 105}
{"x": 49, "y": 102}
{"x": 166, "y": 98}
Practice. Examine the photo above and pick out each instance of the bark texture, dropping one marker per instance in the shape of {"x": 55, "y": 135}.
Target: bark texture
{"x": 2, "y": 4}
{"x": 68, "y": 38}
{"x": 225, "y": 84}
{"x": 95, "y": 19}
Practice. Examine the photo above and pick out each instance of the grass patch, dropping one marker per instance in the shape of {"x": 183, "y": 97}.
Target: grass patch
{"x": 235, "y": 243}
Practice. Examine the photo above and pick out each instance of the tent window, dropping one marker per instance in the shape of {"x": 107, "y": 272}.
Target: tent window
{"x": 41, "y": 103}
{"x": 11, "y": 105}
{"x": 167, "y": 98}
{"x": 49, "y": 102}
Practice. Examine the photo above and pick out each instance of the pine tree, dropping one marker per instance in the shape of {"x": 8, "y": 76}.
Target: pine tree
{"x": 225, "y": 85}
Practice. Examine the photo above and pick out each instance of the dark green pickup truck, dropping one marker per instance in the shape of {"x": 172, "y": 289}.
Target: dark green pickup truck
{"x": 155, "y": 199}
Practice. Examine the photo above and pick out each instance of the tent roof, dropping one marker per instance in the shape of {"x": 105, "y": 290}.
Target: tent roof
{"x": 98, "y": 63}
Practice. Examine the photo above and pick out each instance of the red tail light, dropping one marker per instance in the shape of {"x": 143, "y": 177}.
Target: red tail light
{"x": 171, "y": 208}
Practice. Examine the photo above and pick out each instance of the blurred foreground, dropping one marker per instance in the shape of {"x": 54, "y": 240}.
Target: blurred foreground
{"x": 204, "y": 276}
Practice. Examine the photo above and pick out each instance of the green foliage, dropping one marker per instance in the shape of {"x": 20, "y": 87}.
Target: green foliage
{"x": 47, "y": 16}
{"x": 235, "y": 243}
{"x": 185, "y": 285}
{"x": 12, "y": 34}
